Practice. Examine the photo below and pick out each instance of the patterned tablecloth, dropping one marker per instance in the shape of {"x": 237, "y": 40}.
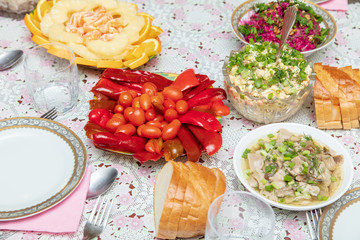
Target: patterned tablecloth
{"x": 197, "y": 34}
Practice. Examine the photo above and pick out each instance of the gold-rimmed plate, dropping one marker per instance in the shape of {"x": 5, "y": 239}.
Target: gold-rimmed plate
{"x": 41, "y": 161}
{"x": 340, "y": 220}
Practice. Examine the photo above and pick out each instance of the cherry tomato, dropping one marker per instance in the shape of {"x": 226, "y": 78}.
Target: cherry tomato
{"x": 168, "y": 103}
{"x": 125, "y": 99}
{"x": 150, "y": 114}
{"x": 138, "y": 130}
{"x": 151, "y": 132}
{"x": 145, "y": 102}
{"x": 172, "y": 93}
{"x": 128, "y": 129}
{"x": 114, "y": 123}
{"x": 172, "y": 149}
{"x": 149, "y": 88}
{"x": 161, "y": 96}
{"x": 100, "y": 116}
{"x": 154, "y": 123}
{"x": 156, "y": 99}
{"x": 154, "y": 145}
{"x": 181, "y": 106}
{"x": 121, "y": 116}
{"x": 170, "y": 131}
{"x": 163, "y": 124}
{"x": 118, "y": 109}
{"x": 219, "y": 109}
{"x": 170, "y": 114}
{"x": 137, "y": 117}
{"x": 127, "y": 112}
{"x": 133, "y": 93}
{"x": 136, "y": 102}
{"x": 159, "y": 118}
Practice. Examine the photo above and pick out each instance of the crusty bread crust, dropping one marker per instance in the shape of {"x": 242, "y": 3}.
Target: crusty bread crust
{"x": 184, "y": 212}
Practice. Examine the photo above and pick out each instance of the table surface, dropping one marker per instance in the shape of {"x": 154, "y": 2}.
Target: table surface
{"x": 197, "y": 34}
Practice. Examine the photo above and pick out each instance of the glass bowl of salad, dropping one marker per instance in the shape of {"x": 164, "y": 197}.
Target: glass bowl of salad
{"x": 261, "y": 20}
{"x": 263, "y": 89}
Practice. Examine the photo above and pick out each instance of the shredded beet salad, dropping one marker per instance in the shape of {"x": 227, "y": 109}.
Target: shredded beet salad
{"x": 266, "y": 24}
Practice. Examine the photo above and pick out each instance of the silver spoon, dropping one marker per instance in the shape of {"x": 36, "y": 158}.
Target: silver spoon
{"x": 289, "y": 20}
{"x": 9, "y": 58}
{"x": 100, "y": 181}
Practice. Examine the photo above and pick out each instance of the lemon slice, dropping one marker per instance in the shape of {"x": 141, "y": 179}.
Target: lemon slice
{"x": 134, "y": 63}
{"x": 151, "y": 46}
{"x": 39, "y": 39}
{"x": 143, "y": 34}
{"x": 136, "y": 52}
{"x": 42, "y": 8}
{"x": 87, "y": 62}
{"x": 146, "y": 15}
{"x": 32, "y": 24}
{"x": 155, "y": 31}
{"x": 110, "y": 64}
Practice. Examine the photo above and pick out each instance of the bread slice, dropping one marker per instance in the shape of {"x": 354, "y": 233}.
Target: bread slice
{"x": 356, "y": 78}
{"x": 177, "y": 201}
{"x": 220, "y": 185}
{"x": 324, "y": 75}
{"x": 341, "y": 78}
{"x": 210, "y": 183}
{"x": 166, "y": 185}
{"x": 351, "y": 90}
{"x": 319, "y": 107}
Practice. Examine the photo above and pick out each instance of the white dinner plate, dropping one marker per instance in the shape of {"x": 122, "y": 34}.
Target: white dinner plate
{"x": 41, "y": 163}
{"x": 320, "y": 136}
{"x": 341, "y": 219}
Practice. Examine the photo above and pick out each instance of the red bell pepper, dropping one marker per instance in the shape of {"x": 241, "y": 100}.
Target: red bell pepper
{"x": 100, "y": 116}
{"x": 124, "y": 75}
{"x": 135, "y": 86}
{"x": 206, "y": 96}
{"x": 201, "y": 119}
{"x": 91, "y": 128}
{"x": 212, "y": 141}
{"x": 190, "y": 144}
{"x": 145, "y": 156}
{"x": 186, "y": 80}
{"x": 99, "y": 95}
{"x": 104, "y": 104}
{"x": 202, "y": 77}
{"x": 109, "y": 88}
{"x": 119, "y": 142}
{"x": 194, "y": 91}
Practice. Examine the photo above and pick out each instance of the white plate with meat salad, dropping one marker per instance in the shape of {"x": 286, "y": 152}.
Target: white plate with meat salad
{"x": 293, "y": 166}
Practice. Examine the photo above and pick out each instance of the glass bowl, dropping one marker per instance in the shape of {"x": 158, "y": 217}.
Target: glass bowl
{"x": 245, "y": 9}
{"x": 261, "y": 109}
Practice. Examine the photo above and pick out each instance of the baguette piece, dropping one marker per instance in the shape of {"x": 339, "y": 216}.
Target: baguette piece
{"x": 177, "y": 201}
{"x": 196, "y": 187}
{"x": 319, "y": 106}
{"x": 166, "y": 185}
{"x": 356, "y": 78}
{"x": 341, "y": 78}
{"x": 351, "y": 89}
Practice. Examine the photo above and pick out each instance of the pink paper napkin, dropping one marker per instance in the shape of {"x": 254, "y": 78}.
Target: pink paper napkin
{"x": 341, "y": 5}
{"x": 63, "y": 218}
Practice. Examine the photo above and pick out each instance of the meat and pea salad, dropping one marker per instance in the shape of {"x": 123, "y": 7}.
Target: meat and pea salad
{"x": 292, "y": 169}
{"x": 266, "y": 22}
{"x": 256, "y": 71}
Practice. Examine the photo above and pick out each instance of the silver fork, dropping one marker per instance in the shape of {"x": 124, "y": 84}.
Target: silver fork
{"x": 313, "y": 222}
{"x": 51, "y": 114}
{"x": 94, "y": 227}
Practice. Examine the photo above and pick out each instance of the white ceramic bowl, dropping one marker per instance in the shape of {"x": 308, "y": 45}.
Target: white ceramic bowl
{"x": 319, "y": 136}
